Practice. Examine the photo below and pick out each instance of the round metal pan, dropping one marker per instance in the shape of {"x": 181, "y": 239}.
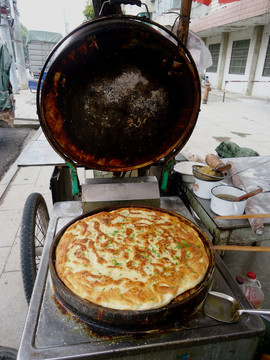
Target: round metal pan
{"x": 119, "y": 94}
{"x": 179, "y": 309}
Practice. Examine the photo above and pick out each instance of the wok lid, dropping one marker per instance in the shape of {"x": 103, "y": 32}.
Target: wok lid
{"x": 119, "y": 95}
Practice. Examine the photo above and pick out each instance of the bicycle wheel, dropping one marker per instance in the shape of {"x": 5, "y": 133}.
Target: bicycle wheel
{"x": 35, "y": 222}
{"x": 7, "y": 353}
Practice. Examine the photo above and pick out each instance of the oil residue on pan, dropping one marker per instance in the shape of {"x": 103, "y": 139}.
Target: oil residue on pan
{"x": 121, "y": 112}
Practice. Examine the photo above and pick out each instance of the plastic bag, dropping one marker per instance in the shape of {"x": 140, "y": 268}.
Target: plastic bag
{"x": 197, "y": 48}
{"x": 199, "y": 52}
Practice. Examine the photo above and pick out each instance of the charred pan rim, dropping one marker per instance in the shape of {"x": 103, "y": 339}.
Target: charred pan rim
{"x": 179, "y": 308}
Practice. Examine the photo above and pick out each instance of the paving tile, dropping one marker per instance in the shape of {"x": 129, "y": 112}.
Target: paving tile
{"x": 2, "y": 189}
{"x": 13, "y": 309}
{"x": 45, "y": 173}
{"x": 26, "y": 175}
{"x": 10, "y": 222}
{"x": 4, "y": 255}
{"x": 43, "y": 181}
{"x": 13, "y": 260}
{"x": 15, "y": 197}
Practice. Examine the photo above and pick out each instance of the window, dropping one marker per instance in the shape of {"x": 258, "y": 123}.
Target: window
{"x": 239, "y": 57}
{"x": 266, "y": 67}
{"x": 214, "y": 50}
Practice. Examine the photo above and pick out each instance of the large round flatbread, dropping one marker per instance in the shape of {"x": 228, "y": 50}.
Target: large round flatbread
{"x": 131, "y": 258}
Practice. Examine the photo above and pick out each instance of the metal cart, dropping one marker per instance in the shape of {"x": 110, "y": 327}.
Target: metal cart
{"x": 51, "y": 330}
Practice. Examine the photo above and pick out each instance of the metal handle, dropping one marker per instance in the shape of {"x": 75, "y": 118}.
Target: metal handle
{"x": 255, "y": 311}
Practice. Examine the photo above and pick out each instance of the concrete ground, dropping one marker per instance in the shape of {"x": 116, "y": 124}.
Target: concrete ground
{"x": 239, "y": 119}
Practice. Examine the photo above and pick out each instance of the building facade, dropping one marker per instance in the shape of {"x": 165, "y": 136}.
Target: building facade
{"x": 237, "y": 35}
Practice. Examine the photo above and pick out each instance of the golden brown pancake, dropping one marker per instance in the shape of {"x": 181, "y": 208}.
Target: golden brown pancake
{"x": 131, "y": 258}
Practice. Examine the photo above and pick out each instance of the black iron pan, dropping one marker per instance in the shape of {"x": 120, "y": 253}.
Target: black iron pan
{"x": 121, "y": 93}
{"x": 178, "y": 310}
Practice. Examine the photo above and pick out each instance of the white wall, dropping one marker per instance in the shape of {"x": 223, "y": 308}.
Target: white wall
{"x": 213, "y": 77}
{"x": 238, "y": 83}
{"x": 261, "y": 86}
{"x": 241, "y": 86}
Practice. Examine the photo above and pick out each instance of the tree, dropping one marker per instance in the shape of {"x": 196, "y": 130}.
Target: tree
{"x": 89, "y": 12}
{"x": 24, "y": 32}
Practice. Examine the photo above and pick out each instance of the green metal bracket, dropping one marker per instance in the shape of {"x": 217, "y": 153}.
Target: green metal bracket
{"x": 74, "y": 178}
{"x": 166, "y": 176}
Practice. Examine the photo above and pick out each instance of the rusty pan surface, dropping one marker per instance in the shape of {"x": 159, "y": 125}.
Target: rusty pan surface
{"x": 119, "y": 95}
{"x": 179, "y": 309}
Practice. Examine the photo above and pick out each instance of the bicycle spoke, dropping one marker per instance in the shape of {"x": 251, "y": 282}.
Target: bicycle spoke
{"x": 40, "y": 235}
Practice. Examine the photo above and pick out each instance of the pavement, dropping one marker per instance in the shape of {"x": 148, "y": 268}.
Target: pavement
{"x": 240, "y": 119}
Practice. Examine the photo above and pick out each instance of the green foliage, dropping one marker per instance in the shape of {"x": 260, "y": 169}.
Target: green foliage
{"x": 24, "y": 32}
{"x": 89, "y": 11}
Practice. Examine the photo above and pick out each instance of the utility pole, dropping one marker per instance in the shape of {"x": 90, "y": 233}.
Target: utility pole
{"x": 66, "y": 22}
{"x": 18, "y": 45}
{"x": 183, "y": 27}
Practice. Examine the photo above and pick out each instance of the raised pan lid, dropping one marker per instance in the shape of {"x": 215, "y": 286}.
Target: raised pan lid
{"x": 119, "y": 95}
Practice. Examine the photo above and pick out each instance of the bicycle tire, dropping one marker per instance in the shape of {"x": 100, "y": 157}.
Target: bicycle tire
{"x": 7, "y": 353}
{"x": 35, "y": 220}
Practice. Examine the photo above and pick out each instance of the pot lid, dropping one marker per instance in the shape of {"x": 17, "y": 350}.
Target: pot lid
{"x": 118, "y": 95}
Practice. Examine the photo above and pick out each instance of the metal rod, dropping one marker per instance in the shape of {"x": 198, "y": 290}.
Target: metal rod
{"x": 242, "y": 248}
{"x": 244, "y": 216}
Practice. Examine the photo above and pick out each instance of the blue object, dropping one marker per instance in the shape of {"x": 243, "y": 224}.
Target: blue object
{"x": 34, "y": 83}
